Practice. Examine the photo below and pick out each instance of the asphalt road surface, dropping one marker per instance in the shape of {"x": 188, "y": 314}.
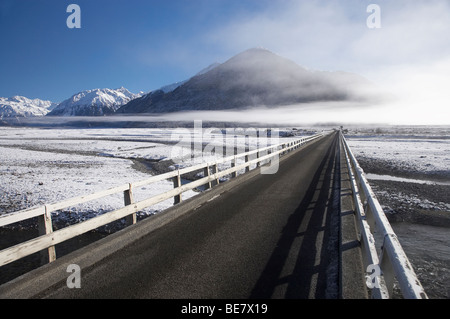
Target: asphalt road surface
{"x": 273, "y": 236}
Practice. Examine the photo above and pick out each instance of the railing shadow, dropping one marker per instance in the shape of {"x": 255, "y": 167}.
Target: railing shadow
{"x": 308, "y": 278}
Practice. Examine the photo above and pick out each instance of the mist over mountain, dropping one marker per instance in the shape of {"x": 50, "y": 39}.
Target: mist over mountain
{"x": 253, "y": 78}
{"x": 171, "y": 87}
{"x": 256, "y": 77}
{"x": 20, "y": 106}
{"x": 95, "y": 102}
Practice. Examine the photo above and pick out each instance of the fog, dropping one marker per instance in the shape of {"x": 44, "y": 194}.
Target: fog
{"x": 299, "y": 114}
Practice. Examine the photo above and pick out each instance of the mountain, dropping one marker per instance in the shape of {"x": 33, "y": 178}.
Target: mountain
{"x": 256, "y": 77}
{"x": 20, "y": 106}
{"x": 171, "y": 87}
{"x": 95, "y": 102}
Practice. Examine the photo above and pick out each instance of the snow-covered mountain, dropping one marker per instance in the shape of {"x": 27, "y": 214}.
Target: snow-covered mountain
{"x": 20, "y": 106}
{"x": 155, "y": 95}
{"x": 95, "y": 102}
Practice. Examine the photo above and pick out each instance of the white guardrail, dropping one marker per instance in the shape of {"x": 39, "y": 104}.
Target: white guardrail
{"x": 392, "y": 260}
{"x": 49, "y": 238}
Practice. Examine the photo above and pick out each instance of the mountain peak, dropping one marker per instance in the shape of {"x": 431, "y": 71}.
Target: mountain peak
{"x": 258, "y": 50}
{"x": 94, "y": 102}
{"x": 254, "y": 53}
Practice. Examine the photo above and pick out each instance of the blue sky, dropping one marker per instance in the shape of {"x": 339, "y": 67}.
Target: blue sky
{"x": 143, "y": 45}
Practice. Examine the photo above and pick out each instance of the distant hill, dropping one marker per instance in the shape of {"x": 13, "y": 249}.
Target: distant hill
{"x": 256, "y": 77}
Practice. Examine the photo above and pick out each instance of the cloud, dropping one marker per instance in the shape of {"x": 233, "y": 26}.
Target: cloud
{"x": 305, "y": 31}
{"x": 410, "y": 34}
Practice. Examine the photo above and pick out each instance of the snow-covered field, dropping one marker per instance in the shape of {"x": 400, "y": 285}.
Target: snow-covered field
{"x": 36, "y": 172}
{"x": 41, "y": 166}
{"x": 425, "y": 154}
{"x": 410, "y": 156}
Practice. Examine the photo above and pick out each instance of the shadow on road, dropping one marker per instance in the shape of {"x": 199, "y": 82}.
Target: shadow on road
{"x": 310, "y": 271}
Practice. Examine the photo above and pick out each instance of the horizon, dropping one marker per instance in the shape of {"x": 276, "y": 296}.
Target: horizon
{"x": 146, "y": 45}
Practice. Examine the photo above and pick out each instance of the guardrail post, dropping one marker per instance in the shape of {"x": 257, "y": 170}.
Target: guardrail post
{"x": 247, "y": 168}
{"x": 177, "y": 183}
{"x": 214, "y": 171}
{"x": 233, "y": 164}
{"x": 129, "y": 200}
{"x": 258, "y": 163}
{"x": 206, "y": 173}
{"x": 45, "y": 227}
{"x": 264, "y": 153}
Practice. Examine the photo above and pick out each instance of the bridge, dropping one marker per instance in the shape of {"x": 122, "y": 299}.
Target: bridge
{"x": 312, "y": 230}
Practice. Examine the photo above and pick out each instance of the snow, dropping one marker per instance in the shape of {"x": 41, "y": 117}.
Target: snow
{"x": 101, "y": 100}
{"x": 41, "y": 166}
{"x": 32, "y": 178}
{"x": 36, "y": 171}
{"x": 21, "y": 106}
{"x": 417, "y": 154}
{"x": 423, "y": 150}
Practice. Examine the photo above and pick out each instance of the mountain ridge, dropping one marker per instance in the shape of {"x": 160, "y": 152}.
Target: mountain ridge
{"x": 253, "y": 78}
{"x": 21, "y": 106}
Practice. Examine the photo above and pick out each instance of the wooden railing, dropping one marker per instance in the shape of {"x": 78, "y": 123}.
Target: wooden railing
{"x": 48, "y": 238}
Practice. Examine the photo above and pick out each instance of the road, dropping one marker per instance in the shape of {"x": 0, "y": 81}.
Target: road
{"x": 272, "y": 236}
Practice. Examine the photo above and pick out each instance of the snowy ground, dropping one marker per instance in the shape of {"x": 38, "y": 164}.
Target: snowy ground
{"x": 415, "y": 156}
{"x": 41, "y": 166}
{"x": 406, "y": 158}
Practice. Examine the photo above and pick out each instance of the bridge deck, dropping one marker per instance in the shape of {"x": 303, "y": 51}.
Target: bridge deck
{"x": 273, "y": 236}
